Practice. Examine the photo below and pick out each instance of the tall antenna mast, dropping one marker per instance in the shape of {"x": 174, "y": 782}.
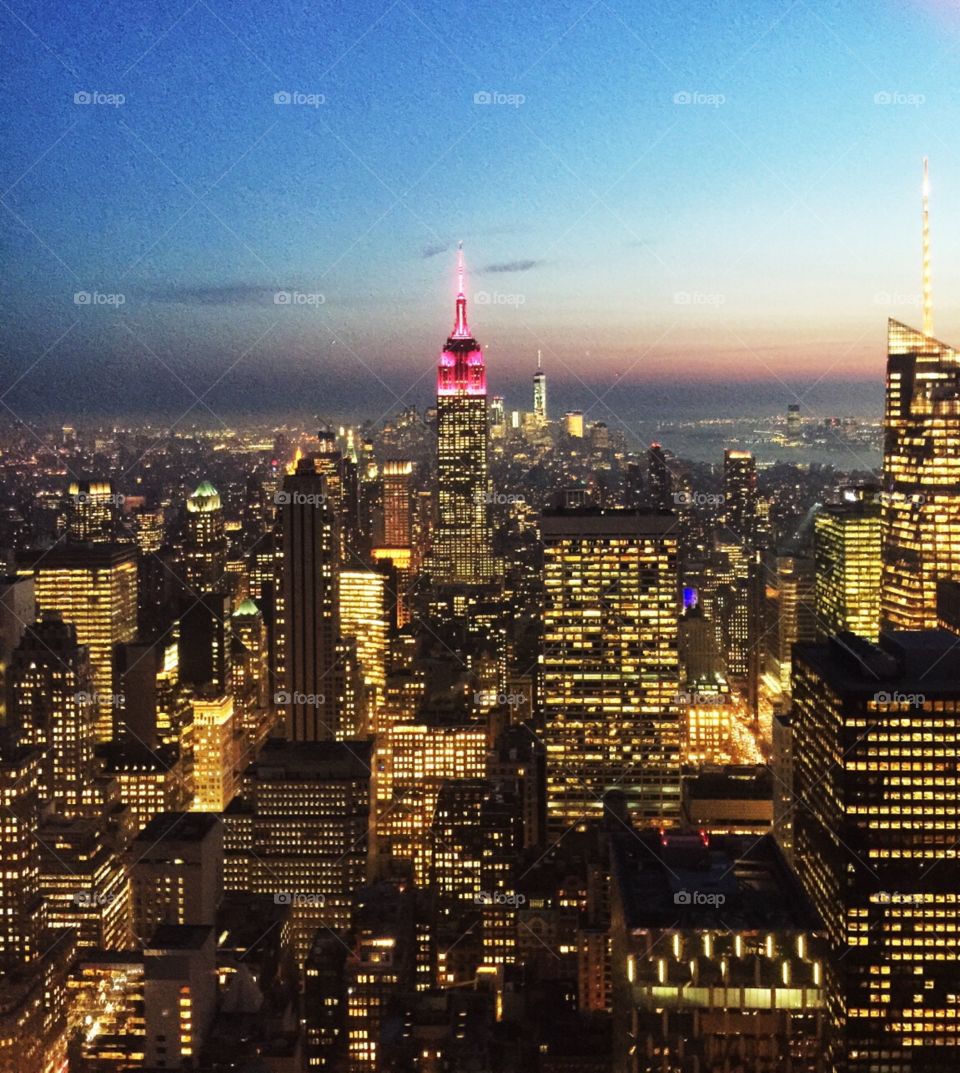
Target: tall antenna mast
{"x": 927, "y": 284}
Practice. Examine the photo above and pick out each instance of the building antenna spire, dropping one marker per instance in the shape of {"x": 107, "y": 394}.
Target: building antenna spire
{"x": 539, "y": 360}
{"x": 927, "y": 283}
{"x": 460, "y": 328}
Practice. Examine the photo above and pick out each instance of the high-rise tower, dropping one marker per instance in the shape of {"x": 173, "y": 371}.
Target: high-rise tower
{"x": 540, "y": 393}
{"x": 921, "y": 465}
{"x": 462, "y": 551}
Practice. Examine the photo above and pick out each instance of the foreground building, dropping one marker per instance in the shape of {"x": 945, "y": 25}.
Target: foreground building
{"x": 609, "y": 663}
{"x": 877, "y": 798}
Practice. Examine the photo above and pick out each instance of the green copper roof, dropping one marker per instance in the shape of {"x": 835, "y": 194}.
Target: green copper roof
{"x": 248, "y": 607}
{"x": 205, "y": 489}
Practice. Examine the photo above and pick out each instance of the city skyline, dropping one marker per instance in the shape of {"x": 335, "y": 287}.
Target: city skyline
{"x": 715, "y": 214}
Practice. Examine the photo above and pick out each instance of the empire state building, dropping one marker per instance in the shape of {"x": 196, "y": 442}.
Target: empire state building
{"x": 462, "y": 548}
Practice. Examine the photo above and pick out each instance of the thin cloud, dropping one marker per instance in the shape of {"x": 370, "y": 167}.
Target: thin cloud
{"x": 231, "y": 294}
{"x": 510, "y": 266}
{"x": 434, "y": 250}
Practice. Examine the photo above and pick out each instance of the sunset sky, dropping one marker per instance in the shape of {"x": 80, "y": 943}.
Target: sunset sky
{"x": 647, "y": 193}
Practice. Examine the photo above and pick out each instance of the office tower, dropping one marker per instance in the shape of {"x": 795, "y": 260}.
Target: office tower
{"x": 149, "y": 780}
{"x": 138, "y": 668}
{"x": 51, "y": 707}
{"x": 397, "y": 503}
{"x": 793, "y": 421}
{"x": 875, "y": 842}
{"x": 921, "y": 471}
{"x": 398, "y": 547}
{"x": 363, "y": 618}
{"x": 740, "y": 494}
{"x": 717, "y": 957}
{"x": 462, "y": 543}
{"x": 599, "y": 436}
{"x": 18, "y": 608}
{"x": 308, "y": 620}
{"x": 848, "y": 540}
{"x": 204, "y": 642}
{"x": 299, "y": 831}
{"x": 789, "y": 617}
{"x": 176, "y": 875}
{"x": 498, "y": 419}
{"x": 205, "y": 546}
{"x": 659, "y": 478}
{"x": 148, "y": 529}
{"x": 179, "y": 994}
{"x": 249, "y": 682}
{"x": 573, "y": 424}
{"x": 106, "y": 1009}
{"x": 217, "y": 752}
{"x": 325, "y": 1002}
{"x": 540, "y": 393}
{"x": 22, "y": 910}
{"x": 413, "y": 762}
{"x": 732, "y": 601}
{"x": 94, "y": 587}
{"x": 83, "y": 879}
{"x": 91, "y": 511}
{"x": 381, "y": 967}
{"x": 609, "y": 664}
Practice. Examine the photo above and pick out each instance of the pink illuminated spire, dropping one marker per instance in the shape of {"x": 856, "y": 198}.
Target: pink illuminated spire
{"x": 460, "y": 328}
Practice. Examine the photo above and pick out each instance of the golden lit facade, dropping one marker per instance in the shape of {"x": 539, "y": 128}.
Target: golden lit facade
{"x": 849, "y": 538}
{"x": 217, "y": 753}
{"x": 609, "y": 664}
{"x": 95, "y": 588}
{"x": 877, "y": 797}
{"x": 106, "y": 1010}
{"x": 205, "y": 548}
{"x": 413, "y": 760}
{"x": 363, "y": 617}
{"x": 921, "y": 475}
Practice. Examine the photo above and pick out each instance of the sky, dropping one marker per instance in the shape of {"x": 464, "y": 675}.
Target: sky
{"x": 660, "y": 197}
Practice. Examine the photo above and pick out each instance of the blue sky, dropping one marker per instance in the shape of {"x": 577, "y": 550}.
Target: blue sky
{"x": 730, "y": 190}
